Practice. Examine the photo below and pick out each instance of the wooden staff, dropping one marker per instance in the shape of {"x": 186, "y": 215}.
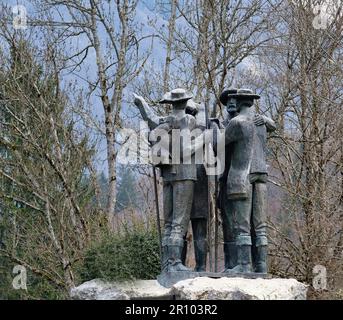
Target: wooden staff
{"x": 157, "y": 212}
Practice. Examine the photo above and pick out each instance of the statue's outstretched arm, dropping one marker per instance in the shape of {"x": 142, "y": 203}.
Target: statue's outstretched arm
{"x": 147, "y": 113}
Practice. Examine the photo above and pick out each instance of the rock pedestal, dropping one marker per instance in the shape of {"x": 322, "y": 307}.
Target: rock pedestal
{"x": 240, "y": 289}
{"x": 203, "y": 288}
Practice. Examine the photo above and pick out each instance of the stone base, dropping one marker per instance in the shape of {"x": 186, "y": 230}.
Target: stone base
{"x": 201, "y": 288}
{"x": 240, "y": 289}
{"x": 98, "y": 289}
{"x": 168, "y": 279}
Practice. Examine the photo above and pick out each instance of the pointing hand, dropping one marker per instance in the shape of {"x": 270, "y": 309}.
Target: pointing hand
{"x": 138, "y": 101}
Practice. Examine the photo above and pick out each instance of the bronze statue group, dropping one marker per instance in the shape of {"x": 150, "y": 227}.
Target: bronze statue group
{"x": 242, "y": 193}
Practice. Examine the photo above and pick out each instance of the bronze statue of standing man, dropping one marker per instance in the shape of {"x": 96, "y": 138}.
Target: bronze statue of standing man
{"x": 178, "y": 180}
{"x": 244, "y": 213}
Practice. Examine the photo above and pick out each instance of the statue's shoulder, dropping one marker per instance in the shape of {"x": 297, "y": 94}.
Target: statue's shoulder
{"x": 236, "y": 121}
{"x": 241, "y": 125}
{"x": 242, "y": 120}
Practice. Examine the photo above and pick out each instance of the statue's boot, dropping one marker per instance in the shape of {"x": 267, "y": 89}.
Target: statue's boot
{"x": 261, "y": 259}
{"x": 230, "y": 255}
{"x": 243, "y": 260}
{"x": 174, "y": 262}
{"x": 200, "y": 251}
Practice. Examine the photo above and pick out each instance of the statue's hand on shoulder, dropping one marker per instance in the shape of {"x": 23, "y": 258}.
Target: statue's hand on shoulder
{"x": 139, "y": 100}
{"x": 259, "y": 120}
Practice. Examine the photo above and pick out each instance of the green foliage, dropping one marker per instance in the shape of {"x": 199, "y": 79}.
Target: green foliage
{"x": 47, "y": 211}
{"x": 132, "y": 255}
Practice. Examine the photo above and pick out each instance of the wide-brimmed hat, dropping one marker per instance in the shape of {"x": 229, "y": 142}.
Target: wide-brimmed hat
{"x": 243, "y": 94}
{"x": 238, "y": 94}
{"x": 176, "y": 95}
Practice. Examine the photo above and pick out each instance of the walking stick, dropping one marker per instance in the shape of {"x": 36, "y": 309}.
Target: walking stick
{"x": 157, "y": 213}
{"x": 216, "y": 220}
{"x": 209, "y": 200}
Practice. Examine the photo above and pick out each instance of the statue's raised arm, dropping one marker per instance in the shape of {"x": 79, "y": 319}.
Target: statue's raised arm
{"x": 146, "y": 111}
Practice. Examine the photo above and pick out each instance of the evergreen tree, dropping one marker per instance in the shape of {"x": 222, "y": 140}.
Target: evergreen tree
{"x": 127, "y": 189}
{"x": 47, "y": 219}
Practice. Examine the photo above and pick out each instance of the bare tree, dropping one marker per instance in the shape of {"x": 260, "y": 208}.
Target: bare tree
{"x": 110, "y": 30}
{"x": 300, "y": 74}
